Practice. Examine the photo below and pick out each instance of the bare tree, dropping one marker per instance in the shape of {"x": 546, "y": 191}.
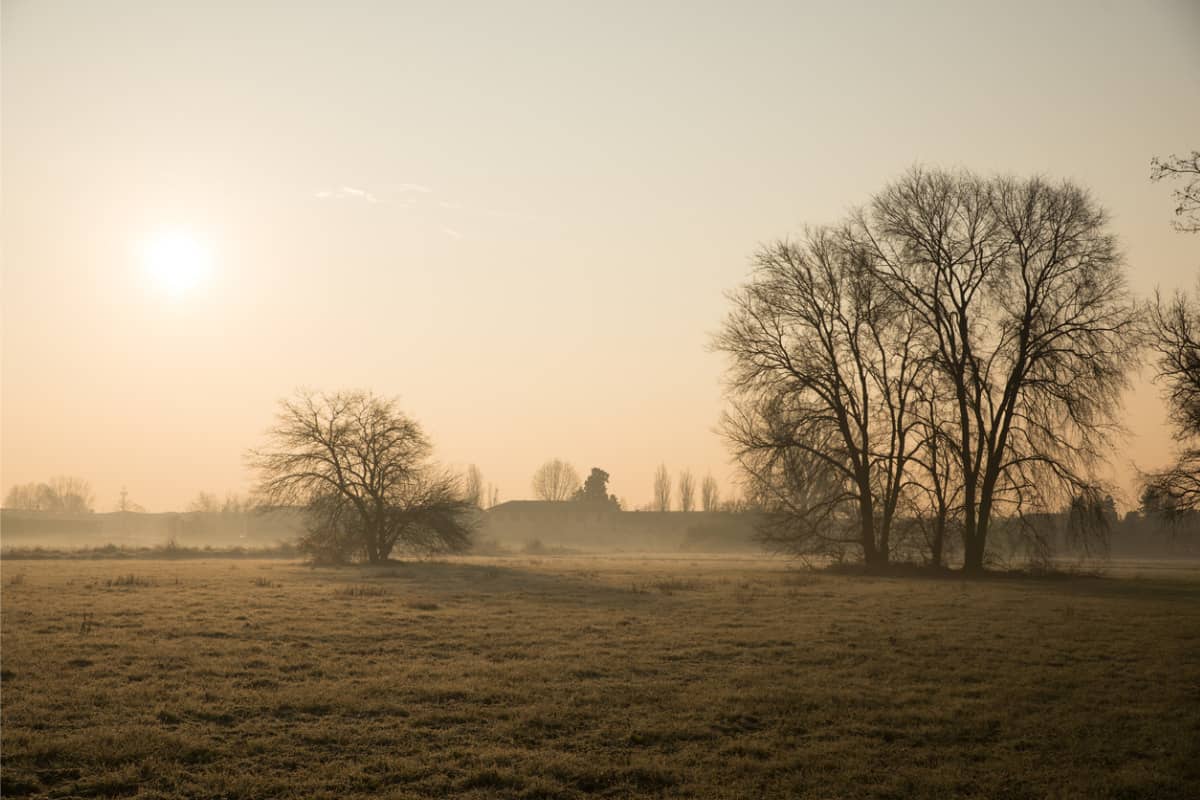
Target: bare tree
{"x": 822, "y": 378}
{"x": 234, "y": 504}
{"x": 360, "y": 468}
{"x": 1185, "y": 168}
{"x": 662, "y": 489}
{"x": 687, "y": 491}
{"x": 63, "y": 494}
{"x": 23, "y": 497}
{"x": 1175, "y": 326}
{"x": 710, "y": 494}
{"x": 205, "y": 503}
{"x": 1020, "y": 295}
{"x": 555, "y": 481}
{"x": 473, "y": 486}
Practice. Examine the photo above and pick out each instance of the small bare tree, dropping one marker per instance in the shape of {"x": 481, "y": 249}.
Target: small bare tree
{"x": 360, "y": 468}
{"x": 710, "y": 494}
{"x": 473, "y": 486}
{"x": 205, "y": 503}
{"x": 687, "y": 491}
{"x": 662, "y": 489}
{"x": 555, "y": 481}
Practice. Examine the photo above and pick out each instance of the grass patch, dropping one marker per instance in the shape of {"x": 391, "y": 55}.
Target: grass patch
{"x": 667, "y": 586}
{"x": 550, "y": 678}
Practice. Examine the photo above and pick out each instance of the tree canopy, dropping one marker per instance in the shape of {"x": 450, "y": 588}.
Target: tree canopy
{"x": 594, "y": 491}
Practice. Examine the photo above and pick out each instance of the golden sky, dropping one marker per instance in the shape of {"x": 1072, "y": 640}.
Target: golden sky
{"x": 519, "y": 217}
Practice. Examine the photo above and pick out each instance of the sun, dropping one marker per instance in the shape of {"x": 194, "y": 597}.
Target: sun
{"x": 175, "y": 261}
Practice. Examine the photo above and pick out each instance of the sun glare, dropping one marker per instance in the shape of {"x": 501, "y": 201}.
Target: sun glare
{"x": 175, "y": 262}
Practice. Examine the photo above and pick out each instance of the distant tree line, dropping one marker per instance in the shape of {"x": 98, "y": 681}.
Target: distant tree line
{"x": 63, "y": 494}
{"x": 557, "y": 481}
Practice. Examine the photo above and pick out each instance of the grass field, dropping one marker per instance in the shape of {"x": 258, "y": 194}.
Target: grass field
{"x": 570, "y": 677}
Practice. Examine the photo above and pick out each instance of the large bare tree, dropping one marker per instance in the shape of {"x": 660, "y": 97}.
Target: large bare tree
{"x": 1175, "y": 323}
{"x": 360, "y": 468}
{"x": 1027, "y": 324}
{"x": 822, "y": 377}
{"x": 555, "y": 481}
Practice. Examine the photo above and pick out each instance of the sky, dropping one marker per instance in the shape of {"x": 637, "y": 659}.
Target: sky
{"x": 522, "y": 219}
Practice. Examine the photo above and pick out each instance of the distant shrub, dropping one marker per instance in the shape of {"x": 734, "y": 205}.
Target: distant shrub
{"x": 489, "y": 547}
{"x": 129, "y": 581}
{"x": 361, "y": 591}
{"x": 533, "y": 547}
{"x": 424, "y": 606}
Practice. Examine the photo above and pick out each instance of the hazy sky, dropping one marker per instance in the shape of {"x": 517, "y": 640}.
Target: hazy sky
{"x": 520, "y": 218}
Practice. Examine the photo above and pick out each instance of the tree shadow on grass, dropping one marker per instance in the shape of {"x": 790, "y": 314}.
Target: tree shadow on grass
{"x": 453, "y": 577}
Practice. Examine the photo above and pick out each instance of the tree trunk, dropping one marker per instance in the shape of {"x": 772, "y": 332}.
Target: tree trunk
{"x": 372, "y": 542}
{"x": 938, "y": 545}
{"x": 973, "y": 549}
{"x": 866, "y": 510}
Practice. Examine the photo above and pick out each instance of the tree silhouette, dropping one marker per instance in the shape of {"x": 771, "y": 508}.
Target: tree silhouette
{"x": 822, "y": 377}
{"x": 973, "y": 332}
{"x": 554, "y": 481}
{"x": 1019, "y": 292}
{"x": 1175, "y": 324}
{"x": 594, "y": 491}
{"x": 360, "y": 468}
{"x": 662, "y": 489}
{"x": 687, "y": 490}
{"x": 63, "y": 494}
{"x": 710, "y": 494}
